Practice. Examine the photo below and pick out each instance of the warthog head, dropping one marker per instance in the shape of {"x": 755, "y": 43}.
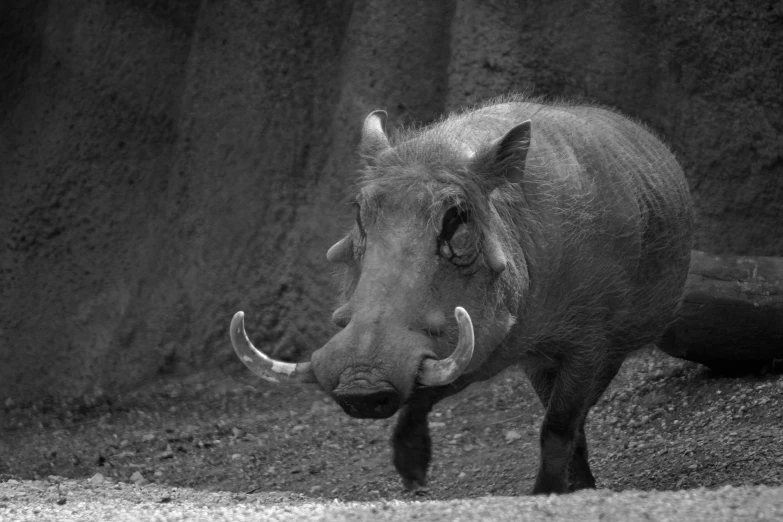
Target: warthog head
{"x": 429, "y": 239}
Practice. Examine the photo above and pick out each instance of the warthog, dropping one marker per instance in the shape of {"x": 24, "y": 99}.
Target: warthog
{"x": 563, "y": 231}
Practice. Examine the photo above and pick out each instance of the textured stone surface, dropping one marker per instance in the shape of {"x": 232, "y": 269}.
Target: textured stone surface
{"x": 164, "y": 164}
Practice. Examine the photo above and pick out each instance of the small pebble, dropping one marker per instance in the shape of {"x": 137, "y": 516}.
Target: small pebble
{"x": 512, "y": 435}
{"x": 165, "y": 454}
{"x": 138, "y": 479}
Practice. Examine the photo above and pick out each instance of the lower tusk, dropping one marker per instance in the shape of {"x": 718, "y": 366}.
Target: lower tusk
{"x": 341, "y": 252}
{"x": 436, "y": 372}
{"x": 263, "y": 365}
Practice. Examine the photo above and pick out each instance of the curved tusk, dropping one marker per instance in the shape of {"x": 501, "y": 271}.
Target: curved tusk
{"x": 436, "y": 372}
{"x": 263, "y": 365}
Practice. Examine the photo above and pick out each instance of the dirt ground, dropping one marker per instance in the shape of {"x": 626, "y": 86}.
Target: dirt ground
{"x": 664, "y": 424}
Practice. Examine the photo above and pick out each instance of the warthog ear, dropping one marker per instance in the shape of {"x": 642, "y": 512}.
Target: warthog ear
{"x": 374, "y": 139}
{"x": 511, "y": 152}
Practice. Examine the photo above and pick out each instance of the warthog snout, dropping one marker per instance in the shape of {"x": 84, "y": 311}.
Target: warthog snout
{"x": 375, "y": 403}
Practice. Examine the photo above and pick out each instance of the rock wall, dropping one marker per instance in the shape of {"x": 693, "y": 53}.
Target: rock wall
{"x": 166, "y": 163}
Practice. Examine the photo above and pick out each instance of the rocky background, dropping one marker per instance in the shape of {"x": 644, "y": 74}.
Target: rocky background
{"x": 165, "y": 163}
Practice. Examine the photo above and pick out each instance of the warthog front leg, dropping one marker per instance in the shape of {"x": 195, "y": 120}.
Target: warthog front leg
{"x": 579, "y": 474}
{"x": 411, "y": 443}
{"x": 412, "y": 446}
{"x": 567, "y": 393}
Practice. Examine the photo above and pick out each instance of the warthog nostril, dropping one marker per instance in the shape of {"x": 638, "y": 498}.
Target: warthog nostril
{"x": 369, "y": 404}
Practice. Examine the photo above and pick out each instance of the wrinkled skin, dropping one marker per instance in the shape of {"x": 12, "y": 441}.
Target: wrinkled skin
{"x": 563, "y": 231}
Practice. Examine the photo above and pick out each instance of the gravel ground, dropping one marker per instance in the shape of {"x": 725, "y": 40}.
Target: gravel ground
{"x": 667, "y": 431}
{"x": 62, "y": 499}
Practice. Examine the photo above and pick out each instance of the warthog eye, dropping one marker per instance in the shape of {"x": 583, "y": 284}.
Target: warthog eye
{"x": 456, "y": 241}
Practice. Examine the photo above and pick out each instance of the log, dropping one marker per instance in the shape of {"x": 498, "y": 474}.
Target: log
{"x": 732, "y": 314}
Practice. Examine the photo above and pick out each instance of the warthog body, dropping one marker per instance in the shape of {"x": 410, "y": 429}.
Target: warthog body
{"x": 563, "y": 231}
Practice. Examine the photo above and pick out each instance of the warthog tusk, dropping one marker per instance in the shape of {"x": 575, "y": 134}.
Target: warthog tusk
{"x": 374, "y": 139}
{"x": 436, "y": 372}
{"x": 263, "y": 365}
